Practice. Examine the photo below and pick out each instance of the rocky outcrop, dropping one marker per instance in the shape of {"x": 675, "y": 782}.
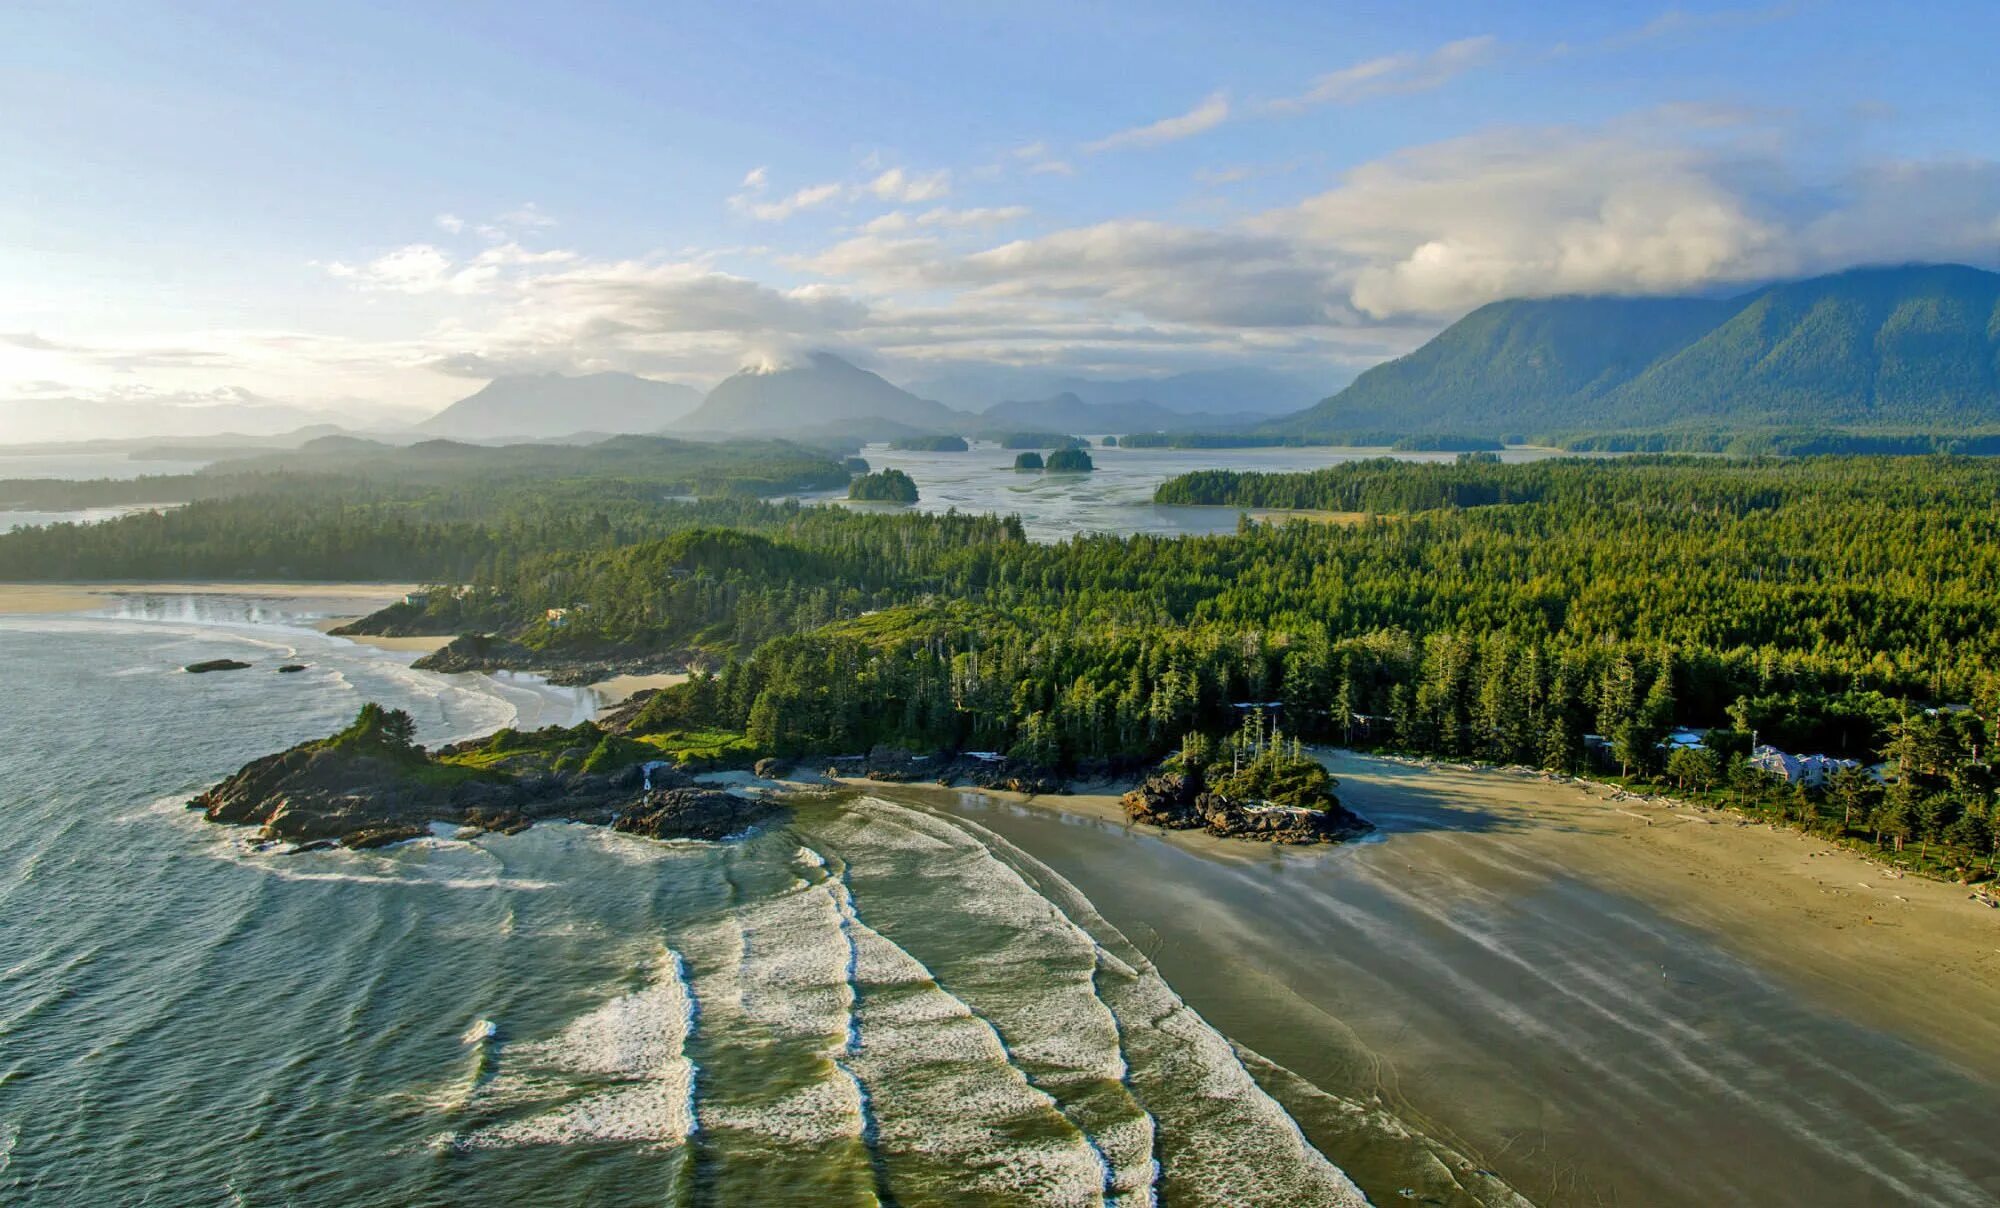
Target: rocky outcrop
{"x": 315, "y": 795}
{"x": 203, "y": 668}
{"x": 291, "y": 668}
{"x": 1174, "y": 802}
{"x": 692, "y": 813}
{"x": 895, "y": 765}
{"x": 489, "y": 652}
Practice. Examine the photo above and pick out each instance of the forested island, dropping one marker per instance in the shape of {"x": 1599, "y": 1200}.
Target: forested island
{"x": 1565, "y": 614}
{"x": 884, "y": 486}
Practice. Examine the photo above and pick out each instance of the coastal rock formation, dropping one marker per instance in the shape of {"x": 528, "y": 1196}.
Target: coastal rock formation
{"x": 691, "y": 813}
{"x": 314, "y": 795}
{"x": 203, "y": 668}
{"x": 489, "y": 652}
{"x": 979, "y": 769}
{"x": 1174, "y": 802}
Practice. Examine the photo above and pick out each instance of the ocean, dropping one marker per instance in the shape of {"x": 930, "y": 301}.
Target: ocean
{"x": 872, "y": 1003}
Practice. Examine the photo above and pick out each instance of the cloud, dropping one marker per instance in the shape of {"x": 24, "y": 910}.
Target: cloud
{"x": 1395, "y": 75}
{"x": 422, "y": 268}
{"x": 451, "y": 224}
{"x": 32, "y": 342}
{"x": 1051, "y": 167}
{"x": 900, "y": 186}
{"x": 807, "y": 198}
{"x": 945, "y": 217}
{"x": 1211, "y": 113}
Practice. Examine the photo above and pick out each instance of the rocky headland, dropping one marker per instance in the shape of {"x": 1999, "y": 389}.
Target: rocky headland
{"x": 374, "y": 792}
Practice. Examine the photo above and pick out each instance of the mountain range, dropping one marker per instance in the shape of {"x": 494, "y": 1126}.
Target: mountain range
{"x": 1913, "y": 348}
{"x": 822, "y": 394}
{"x": 549, "y": 404}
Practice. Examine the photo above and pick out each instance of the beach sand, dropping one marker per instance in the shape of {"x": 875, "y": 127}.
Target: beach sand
{"x": 1898, "y": 952}
{"x": 86, "y": 597}
{"x": 620, "y": 688}
{"x": 1605, "y": 1001}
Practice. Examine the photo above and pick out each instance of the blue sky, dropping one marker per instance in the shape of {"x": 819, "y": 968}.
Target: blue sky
{"x": 382, "y": 202}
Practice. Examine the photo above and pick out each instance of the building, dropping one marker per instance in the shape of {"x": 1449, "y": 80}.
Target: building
{"x": 1813, "y": 770}
{"x": 1686, "y": 740}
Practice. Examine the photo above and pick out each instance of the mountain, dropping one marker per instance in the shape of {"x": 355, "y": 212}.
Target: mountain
{"x": 1068, "y": 413}
{"x": 1224, "y": 391}
{"x": 1877, "y": 348}
{"x": 822, "y": 395}
{"x": 224, "y": 412}
{"x": 550, "y": 404}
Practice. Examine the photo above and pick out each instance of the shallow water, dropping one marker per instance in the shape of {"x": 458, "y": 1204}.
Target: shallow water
{"x": 1117, "y": 497}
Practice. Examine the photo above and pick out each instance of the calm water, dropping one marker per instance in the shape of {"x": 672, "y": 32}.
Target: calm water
{"x": 1117, "y": 497}
{"x": 87, "y": 465}
{"x": 868, "y": 1004}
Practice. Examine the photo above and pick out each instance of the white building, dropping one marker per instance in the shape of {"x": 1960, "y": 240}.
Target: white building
{"x": 1814, "y": 770}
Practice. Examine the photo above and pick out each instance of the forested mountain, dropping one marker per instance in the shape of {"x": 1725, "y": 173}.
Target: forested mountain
{"x": 823, "y": 394}
{"x": 550, "y": 404}
{"x": 1913, "y": 348}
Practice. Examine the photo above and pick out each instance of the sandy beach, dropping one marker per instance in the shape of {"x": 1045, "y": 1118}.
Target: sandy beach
{"x": 1605, "y": 1001}
{"x": 87, "y": 597}
{"x": 1898, "y": 952}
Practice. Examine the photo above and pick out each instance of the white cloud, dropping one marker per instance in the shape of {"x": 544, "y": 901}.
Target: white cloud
{"x": 1051, "y": 167}
{"x": 900, "y": 186}
{"x": 1211, "y": 113}
{"x": 756, "y": 179}
{"x": 451, "y": 224}
{"x": 1395, "y": 75}
{"x": 809, "y": 198}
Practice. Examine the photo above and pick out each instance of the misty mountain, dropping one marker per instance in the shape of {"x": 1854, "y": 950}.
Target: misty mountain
{"x": 552, "y": 404}
{"x": 824, "y": 394}
{"x": 1223, "y": 391}
{"x": 1067, "y": 412}
{"x": 1910, "y": 347}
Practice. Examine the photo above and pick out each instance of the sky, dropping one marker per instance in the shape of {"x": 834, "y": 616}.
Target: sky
{"x": 373, "y": 207}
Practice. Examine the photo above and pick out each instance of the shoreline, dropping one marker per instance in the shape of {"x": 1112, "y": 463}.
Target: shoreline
{"x": 1602, "y": 1001}
{"x": 1907, "y": 954}
{"x": 86, "y": 596}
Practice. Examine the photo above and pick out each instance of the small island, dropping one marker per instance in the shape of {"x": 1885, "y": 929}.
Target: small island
{"x": 930, "y": 444}
{"x": 1070, "y": 461}
{"x": 1254, "y": 785}
{"x": 1028, "y": 461}
{"x": 371, "y": 785}
{"x": 887, "y": 486}
{"x": 208, "y": 665}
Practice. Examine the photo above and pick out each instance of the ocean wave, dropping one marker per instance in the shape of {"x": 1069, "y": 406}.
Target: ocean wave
{"x": 637, "y": 1040}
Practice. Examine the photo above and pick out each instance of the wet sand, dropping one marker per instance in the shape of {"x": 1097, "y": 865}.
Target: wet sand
{"x": 1602, "y": 1001}
{"x": 86, "y": 597}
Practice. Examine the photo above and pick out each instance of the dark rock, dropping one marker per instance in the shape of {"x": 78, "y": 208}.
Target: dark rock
{"x": 1172, "y": 801}
{"x": 490, "y": 652}
{"x": 313, "y": 794}
{"x": 689, "y": 813}
{"x": 204, "y": 668}
{"x": 289, "y": 668}
{"x": 770, "y": 769}
{"x": 382, "y": 836}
